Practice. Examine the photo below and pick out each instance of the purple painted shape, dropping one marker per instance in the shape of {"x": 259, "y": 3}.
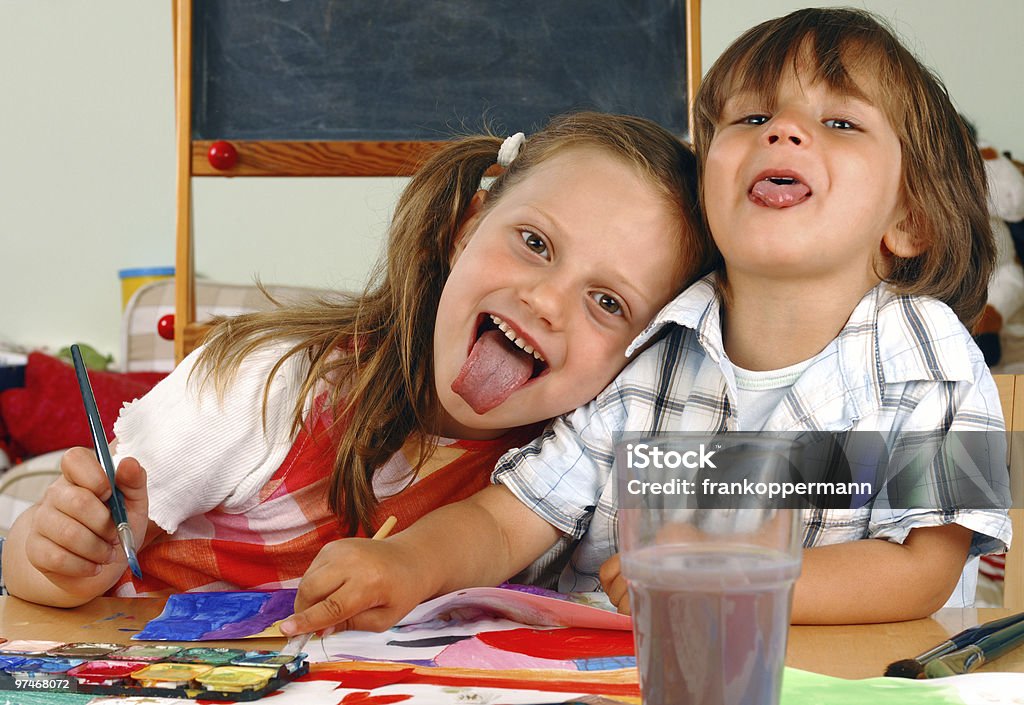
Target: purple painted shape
{"x": 278, "y": 605}
{"x": 204, "y": 616}
{"x": 534, "y": 590}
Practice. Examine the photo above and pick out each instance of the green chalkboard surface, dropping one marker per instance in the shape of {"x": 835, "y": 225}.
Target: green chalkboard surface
{"x": 430, "y": 69}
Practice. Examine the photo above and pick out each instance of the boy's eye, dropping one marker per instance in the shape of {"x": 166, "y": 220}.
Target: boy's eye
{"x": 754, "y": 119}
{"x": 839, "y": 124}
{"x": 535, "y": 242}
{"x": 608, "y": 303}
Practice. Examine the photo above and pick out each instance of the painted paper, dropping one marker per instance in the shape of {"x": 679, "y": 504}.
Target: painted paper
{"x": 207, "y": 616}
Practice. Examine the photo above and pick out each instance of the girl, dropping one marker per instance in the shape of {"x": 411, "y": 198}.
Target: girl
{"x": 494, "y": 310}
{"x": 848, "y": 204}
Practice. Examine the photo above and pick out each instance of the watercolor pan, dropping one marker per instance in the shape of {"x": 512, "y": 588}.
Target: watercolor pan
{"x": 44, "y": 670}
{"x": 29, "y": 647}
{"x": 84, "y": 650}
{"x": 105, "y": 672}
{"x": 236, "y": 679}
{"x": 169, "y": 675}
{"x": 145, "y": 652}
{"x": 9, "y": 663}
{"x": 284, "y": 663}
{"x": 208, "y": 655}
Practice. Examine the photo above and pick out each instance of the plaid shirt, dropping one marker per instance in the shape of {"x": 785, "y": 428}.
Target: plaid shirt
{"x": 901, "y": 364}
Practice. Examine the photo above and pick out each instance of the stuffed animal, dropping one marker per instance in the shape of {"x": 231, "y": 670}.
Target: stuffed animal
{"x": 1000, "y": 337}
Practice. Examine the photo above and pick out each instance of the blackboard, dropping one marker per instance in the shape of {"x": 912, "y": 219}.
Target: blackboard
{"x": 430, "y": 69}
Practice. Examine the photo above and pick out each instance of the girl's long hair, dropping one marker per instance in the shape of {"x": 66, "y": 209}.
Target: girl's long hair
{"x": 372, "y": 353}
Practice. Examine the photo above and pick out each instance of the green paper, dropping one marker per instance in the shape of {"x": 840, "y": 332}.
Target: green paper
{"x": 806, "y": 688}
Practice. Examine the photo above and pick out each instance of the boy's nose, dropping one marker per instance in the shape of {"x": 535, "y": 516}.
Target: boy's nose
{"x": 786, "y": 129}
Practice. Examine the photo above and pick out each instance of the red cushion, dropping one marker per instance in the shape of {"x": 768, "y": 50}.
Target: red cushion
{"x": 47, "y": 413}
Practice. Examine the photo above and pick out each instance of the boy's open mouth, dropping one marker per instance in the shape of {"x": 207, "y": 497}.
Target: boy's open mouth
{"x": 778, "y": 190}
{"x": 500, "y": 361}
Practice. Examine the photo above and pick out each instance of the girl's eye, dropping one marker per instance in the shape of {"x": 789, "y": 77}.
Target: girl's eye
{"x": 754, "y": 119}
{"x": 608, "y": 303}
{"x": 535, "y": 242}
{"x": 839, "y": 124}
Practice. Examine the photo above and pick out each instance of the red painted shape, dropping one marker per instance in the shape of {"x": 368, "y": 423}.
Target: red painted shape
{"x": 566, "y": 644}
{"x": 165, "y": 327}
{"x": 578, "y": 683}
{"x": 368, "y": 699}
{"x": 364, "y": 680}
{"x": 222, "y": 155}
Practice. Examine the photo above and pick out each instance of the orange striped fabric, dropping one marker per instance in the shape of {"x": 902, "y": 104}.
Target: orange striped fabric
{"x": 271, "y": 542}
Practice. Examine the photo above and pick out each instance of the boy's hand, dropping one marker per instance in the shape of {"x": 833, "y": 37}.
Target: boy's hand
{"x": 72, "y": 534}
{"x": 356, "y": 584}
{"x": 614, "y": 585}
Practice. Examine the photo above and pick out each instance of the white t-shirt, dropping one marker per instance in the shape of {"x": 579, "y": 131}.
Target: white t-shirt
{"x": 201, "y": 452}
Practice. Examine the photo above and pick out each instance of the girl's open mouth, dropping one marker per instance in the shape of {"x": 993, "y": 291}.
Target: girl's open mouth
{"x": 500, "y": 361}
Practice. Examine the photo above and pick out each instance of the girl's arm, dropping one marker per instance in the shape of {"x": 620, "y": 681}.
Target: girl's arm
{"x": 63, "y": 551}
{"x": 874, "y": 580}
{"x": 370, "y": 585}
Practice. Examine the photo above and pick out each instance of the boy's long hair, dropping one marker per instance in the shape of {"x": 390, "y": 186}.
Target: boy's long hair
{"x": 373, "y": 352}
{"x": 943, "y": 178}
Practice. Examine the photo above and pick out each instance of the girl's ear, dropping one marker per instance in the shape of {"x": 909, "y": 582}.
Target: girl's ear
{"x": 468, "y": 224}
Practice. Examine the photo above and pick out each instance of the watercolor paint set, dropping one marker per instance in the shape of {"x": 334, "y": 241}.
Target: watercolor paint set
{"x": 161, "y": 670}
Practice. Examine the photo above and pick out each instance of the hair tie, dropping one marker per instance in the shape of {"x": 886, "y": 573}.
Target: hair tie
{"x": 509, "y": 149}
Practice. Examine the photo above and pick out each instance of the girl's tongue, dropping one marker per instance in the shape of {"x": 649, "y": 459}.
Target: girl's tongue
{"x": 494, "y": 369}
{"x": 779, "y": 193}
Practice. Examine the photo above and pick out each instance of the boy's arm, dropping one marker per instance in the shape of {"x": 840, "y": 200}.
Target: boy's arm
{"x": 874, "y": 580}
{"x": 370, "y": 585}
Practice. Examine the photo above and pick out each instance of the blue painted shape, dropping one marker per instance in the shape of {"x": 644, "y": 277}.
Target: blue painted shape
{"x": 605, "y": 663}
{"x": 203, "y": 616}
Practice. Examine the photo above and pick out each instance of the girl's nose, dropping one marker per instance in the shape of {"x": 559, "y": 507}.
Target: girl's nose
{"x": 548, "y": 299}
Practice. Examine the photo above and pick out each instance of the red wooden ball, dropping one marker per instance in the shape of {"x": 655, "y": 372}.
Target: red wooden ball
{"x": 165, "y": 327}
{"x": 222, "y": 155}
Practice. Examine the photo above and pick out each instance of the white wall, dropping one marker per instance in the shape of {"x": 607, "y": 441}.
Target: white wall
{"x": 87, "y": 157}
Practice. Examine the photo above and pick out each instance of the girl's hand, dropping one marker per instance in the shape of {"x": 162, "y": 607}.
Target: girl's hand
{"x": 72, "y": 533}
{"x": 614, "y": 585}
{"x": 356, "y": 584}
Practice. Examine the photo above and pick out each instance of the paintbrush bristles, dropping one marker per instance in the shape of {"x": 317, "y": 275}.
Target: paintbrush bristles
{"x": 905, "y": 668}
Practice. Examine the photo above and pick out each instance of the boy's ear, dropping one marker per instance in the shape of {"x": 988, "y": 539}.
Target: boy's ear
{"x": 469, "y": 222}
{"x": 905, "y": 238}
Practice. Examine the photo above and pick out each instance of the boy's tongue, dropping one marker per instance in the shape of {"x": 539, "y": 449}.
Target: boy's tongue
{"x": 779, "y": 195}
{"x": 494, "y": 369}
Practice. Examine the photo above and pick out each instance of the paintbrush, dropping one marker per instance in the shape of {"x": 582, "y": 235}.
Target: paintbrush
{"x": 983, "y": 651}
{"x": 915, "y": 667}
{"x": 99, "y": 443}
{"x": 298, "y": 642}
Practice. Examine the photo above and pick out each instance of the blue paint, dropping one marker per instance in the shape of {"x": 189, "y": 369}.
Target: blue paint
{"x": 203, "y": 616}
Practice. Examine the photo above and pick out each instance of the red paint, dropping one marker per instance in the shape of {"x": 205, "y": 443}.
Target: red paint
{"x": 426, "y": 676}
{"x": 165, "y": 327}
{"x": 565, "y": 644}
{"x": 365, "y": 680}
{"x": 368, "y": 699}
{"x": 222, "y": 155}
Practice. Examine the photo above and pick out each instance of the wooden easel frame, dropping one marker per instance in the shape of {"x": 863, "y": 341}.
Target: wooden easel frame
{"x": 292, "y": 158}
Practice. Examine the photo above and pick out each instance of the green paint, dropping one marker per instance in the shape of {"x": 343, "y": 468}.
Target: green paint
{"x": 25, "y": 697}
{"x": 805, "y": 688}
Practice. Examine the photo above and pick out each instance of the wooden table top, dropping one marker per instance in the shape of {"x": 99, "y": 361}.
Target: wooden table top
{"x": 855, "y": 651}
